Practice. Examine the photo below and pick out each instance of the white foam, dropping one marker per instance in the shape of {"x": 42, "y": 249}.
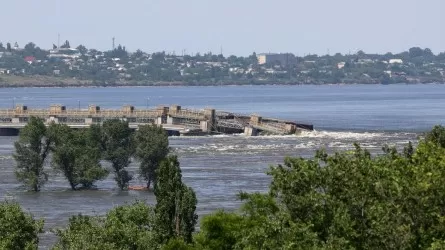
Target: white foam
{"x": 340, "y": 135}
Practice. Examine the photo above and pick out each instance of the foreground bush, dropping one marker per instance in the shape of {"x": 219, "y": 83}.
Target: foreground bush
{"x": 18, "y": 230}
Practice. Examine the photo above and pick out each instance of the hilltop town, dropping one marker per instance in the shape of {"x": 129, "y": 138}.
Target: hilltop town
{"x": 68, "y": 66}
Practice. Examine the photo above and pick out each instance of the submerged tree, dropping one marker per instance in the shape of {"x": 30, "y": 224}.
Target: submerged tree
{"x": 77, "y": 156}
{"x": 152, "y": 148}
{"x": 118, "y": 149}
{"x": 175, "y": 203}
{"x": 31, "y": 151}
{"x": 18, "y": 230}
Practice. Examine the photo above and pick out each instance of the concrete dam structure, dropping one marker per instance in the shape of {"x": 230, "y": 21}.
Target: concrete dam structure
{"x": 174, "y": 119}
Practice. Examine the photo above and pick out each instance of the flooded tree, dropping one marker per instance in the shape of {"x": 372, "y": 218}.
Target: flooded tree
{"x": 151, "y": 148}
{"x": 118, "y": 149}
{"x": 31, "y": 151}
{"x": 168, "y": 225}
{"x": 77, "y": 156}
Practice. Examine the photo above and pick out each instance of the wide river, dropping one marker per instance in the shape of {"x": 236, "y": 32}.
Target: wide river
{"x": 219, "y": 167}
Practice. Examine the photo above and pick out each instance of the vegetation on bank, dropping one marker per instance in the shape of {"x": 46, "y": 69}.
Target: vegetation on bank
{"x": 346, "y": 200}
{"x": 80, "y": 66}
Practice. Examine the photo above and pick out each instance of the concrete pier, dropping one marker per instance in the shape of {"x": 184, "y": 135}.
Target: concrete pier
{"x": 175, "y": 119}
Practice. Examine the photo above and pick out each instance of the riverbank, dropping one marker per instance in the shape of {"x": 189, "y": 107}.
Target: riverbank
{"x": 11, "y": 81}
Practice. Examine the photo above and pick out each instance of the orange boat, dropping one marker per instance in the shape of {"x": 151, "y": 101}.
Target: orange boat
{"x": 138, "y": 188}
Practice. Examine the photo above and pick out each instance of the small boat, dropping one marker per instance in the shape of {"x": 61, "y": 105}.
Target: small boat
{"x": 138, "y": 188}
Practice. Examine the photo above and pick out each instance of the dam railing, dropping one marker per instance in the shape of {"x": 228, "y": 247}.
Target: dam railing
{"x": 205, "y": 121}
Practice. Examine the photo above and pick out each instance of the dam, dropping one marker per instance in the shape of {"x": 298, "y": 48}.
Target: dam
{"x": 174, "y": 119}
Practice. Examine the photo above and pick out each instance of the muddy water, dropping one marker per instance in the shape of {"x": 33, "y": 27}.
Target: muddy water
{"x": 217, "y": 167}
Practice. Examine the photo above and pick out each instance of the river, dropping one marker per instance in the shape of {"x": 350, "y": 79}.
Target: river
{"x": 219, "y": 167}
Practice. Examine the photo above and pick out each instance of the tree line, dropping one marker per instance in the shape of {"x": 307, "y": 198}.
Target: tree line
{"x": 78, "y": 153}
{"x": 344, "y": 200}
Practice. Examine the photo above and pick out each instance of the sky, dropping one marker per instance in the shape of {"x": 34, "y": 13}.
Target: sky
{"x": 237, "y": 27}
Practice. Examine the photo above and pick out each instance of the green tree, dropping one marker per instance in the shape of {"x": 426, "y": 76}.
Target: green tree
{"x": 152, "y": 148}
{"x": 66, "y": 45}
{"x": 8, "y": 47}
{"x": 77, "y": 156}
{"x": 124, "y": 227}
{"x": 220, "y": 231}
{"x": 31, "y": 151}
{"x": 18, "y": 230}
{"x": 118, "y": 149}
{"x": 175, "y": 203}
{"x": 82, "y": 49}
{"x": 437, "y": 136}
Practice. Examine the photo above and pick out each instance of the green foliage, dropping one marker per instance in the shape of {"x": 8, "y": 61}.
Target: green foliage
{"x": 152, "y": 148}
{"x": 177, "y": 244}
{"x": 31, "y": 151}
{"x": 220, "y": 231}
{"x": 18, "y": 230}
{"x": 118, "y": 149}
{"x": 437, "y": 136}
{"x": 77, "y": 156}
{"x": 175, "y": 203}
{"x": 124, "y": 227}
{"x": 347, "y": 200}
{"x": 66, "y": 45}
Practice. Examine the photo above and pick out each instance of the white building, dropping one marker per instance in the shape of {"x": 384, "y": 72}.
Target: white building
{"x": 395, "y": 61}
{"x": 64, "y": 53}
{"x": 341, "y": 65}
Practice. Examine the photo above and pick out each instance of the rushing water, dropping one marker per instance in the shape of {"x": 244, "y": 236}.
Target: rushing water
{"x": 218, "y": 167}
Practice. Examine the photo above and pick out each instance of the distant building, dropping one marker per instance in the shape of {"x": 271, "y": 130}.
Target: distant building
{"x": 396, "y": 61}
{"x": 30, "y": 59}
{"x": 341, "y": 65}
{"x": 64, "y": 53}
{"x": 284, "y": 59}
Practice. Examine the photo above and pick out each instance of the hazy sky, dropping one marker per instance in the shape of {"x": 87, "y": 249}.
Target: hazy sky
{"x": 239, "y": 26}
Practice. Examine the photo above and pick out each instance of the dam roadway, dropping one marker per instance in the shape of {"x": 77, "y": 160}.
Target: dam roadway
{"x": 174, "y": 119}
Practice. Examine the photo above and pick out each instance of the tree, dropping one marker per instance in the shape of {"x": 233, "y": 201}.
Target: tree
{"x": 31, "y": 151}
{"x": 175, "y": 203}
{"x": 253, "y": 59}
{"x": 151, "y": 149}
{"x": 436, "y": 136}
{"x": 118, "y": 149}
{"x": 77, "y": 156}
{"x": 18, "y": 230}
{"x": 30, "y": 47}
{"x": 124, "y": 227}
{"x": 415, "y": 52}
{"x": 66, "y": 45}
{"x": 82, "y": 49}
{"x": 220, "y": 231}
{"x": 8, "y": 47}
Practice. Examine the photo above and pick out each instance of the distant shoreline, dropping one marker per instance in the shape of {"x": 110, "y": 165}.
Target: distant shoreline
{"x": 29, "y": 82}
